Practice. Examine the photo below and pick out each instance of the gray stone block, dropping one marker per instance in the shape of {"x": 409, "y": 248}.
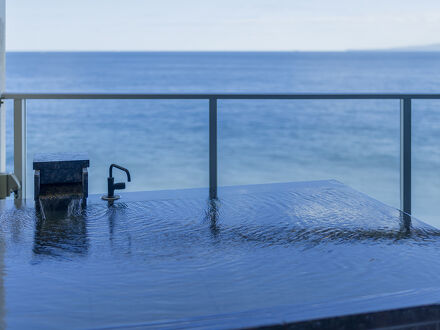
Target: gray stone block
{"x": 58, "y": 175}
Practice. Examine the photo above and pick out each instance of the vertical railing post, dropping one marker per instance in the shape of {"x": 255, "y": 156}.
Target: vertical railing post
{"x": 2, "y": 137}
{"x": 405, "y": 155}
{"x": 20, "y": 144}
{"x": 212, "y": 148}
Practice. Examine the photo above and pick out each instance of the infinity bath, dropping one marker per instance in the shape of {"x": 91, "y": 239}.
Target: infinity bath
{"x": 260, "y": 255}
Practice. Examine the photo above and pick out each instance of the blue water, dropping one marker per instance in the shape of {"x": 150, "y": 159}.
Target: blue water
{"x": 261, "y": 255}
{"x": 165, "y": 143}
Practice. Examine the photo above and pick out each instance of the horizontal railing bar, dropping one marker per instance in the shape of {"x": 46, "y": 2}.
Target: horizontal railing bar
{"x": 335, "y": 96}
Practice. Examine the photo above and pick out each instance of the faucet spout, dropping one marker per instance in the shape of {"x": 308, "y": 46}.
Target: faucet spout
{"x": 121, "y": 168}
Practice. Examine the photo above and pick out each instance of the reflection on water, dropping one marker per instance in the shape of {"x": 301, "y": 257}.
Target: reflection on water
{"x": 212, "y": 216}
{"x": 61, "y": 233}
{"x": 177, "y": 258}
{"x": 117, "y": 222}
{"x": 2, "y": 286}
{"x": 405, "y": 224}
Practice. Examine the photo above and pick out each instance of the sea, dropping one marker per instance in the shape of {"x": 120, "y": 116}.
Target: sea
{"x": 164, "y": 143}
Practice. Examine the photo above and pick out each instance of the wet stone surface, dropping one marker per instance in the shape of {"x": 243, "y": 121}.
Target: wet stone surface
{"x": 260, "y": 255}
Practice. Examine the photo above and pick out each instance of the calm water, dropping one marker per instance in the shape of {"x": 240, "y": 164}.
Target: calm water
{"x": 290, "y": 251}
{"x": 164, "y": 143}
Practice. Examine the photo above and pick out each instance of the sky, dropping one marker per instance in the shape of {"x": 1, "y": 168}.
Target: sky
{"x": 219, "y": 25}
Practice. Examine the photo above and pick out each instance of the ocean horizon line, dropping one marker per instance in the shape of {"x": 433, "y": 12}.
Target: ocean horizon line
{"x": 225, "y": 51}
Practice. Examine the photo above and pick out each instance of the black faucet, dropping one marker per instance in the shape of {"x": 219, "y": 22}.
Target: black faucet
{"x": 112, "y": 186}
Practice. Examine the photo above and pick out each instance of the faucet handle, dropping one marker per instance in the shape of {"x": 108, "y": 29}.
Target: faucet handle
{"x": 119, "y": 186}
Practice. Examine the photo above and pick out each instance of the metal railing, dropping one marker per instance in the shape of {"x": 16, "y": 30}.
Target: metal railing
{"x": 405, "y": 125}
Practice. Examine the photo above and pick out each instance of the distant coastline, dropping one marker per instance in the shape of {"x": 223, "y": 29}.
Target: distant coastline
{"x": 422, "y": 48}
{"x": 416, "y": 48}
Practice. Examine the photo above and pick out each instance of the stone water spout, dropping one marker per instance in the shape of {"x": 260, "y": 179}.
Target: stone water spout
{"x": 60, "y": 182}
